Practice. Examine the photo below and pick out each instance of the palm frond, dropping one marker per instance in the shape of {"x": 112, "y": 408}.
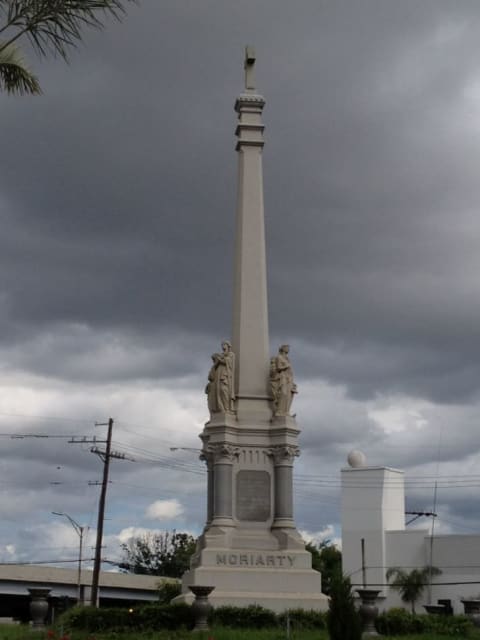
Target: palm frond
{"x": 15, "y": 78}
{"x": 53, "y": 26}
{"x": 411, "y": 584}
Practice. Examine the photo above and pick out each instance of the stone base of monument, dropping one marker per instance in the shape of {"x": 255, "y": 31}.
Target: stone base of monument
{"x": 275, "y": 579}
{"x": 250, "y": 550}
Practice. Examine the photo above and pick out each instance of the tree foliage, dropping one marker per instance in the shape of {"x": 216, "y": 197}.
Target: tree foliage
{"x": 343, "y": 619}
{"x": 167, "y": 591}
{"x": 327, "y": 559}
{"x": 410, "y": 584}
{"x": 52, "y": 27}
{"x": 160, "y": 554}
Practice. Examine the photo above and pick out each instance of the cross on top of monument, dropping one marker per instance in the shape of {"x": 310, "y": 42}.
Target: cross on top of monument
{"x": 249, "y": 68}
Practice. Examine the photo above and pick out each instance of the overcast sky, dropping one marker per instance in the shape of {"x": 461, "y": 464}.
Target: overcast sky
{"x": 117, "y": 205}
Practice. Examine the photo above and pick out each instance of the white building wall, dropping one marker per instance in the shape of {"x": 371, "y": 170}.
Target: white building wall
{"x": 458, "y": 556}
{"x": 407, "y": 550}
{"x": 372, "y": 503}
{"x": 373, "y": 508}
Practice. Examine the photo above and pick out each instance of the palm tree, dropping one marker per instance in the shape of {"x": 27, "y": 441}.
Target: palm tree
{"x": 411, "y": 584}
{"x": 52, "y": 26}
{"x": 14, "y": 75}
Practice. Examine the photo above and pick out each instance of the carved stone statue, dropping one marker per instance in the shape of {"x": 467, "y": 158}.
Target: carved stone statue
{"x": 220, "y": 389}
{"x": 282, "y": 385}
{"x": 274, "y": 381}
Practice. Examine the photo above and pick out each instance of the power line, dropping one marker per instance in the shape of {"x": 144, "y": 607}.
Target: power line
{"x": 37, "y": 417}
{"x": 166, "y": 461}
{"x": 320, "y": 480}
{"x": 305, "y": 481}
{"x": 426, "y": 584}
{"x": 21, "y": 436}
{"x": 30, "y": 562}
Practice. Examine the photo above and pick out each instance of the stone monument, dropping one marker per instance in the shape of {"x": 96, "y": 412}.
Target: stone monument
{"x": 250, "y": 549}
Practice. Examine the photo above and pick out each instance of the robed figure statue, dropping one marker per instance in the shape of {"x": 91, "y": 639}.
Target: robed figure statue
{"x": 220, "y": 389}
{"x": 282, "y": 385}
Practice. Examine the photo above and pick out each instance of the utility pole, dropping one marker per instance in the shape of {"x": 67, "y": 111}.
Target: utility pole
{"x": 101, "y": 511}
{"x": 105, "y": 456}
{"x": 430, "y": 565}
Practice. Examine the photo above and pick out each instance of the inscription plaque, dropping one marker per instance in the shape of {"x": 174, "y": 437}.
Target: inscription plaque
{"x": 253, "y": 495}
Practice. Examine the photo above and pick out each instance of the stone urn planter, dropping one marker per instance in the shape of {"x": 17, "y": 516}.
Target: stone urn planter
{"x": 368, "y": 611}
{"x": 38, "y": 607}
{"x": 201, "y": 607}
{"x": 471, "y": 608}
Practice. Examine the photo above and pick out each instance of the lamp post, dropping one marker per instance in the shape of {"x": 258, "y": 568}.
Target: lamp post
{"x": 79, "y": 529}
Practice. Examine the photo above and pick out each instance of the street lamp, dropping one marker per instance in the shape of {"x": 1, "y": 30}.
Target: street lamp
{"x": 79, "y": 529}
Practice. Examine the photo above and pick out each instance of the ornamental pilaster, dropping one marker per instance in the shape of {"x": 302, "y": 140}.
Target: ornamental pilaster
{"x": 207, "y": 457}
{"x": 284, "y": 455}
{"x": 222, "y": 453}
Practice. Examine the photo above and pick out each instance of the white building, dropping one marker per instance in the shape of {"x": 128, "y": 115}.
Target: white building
{"x": 373, "y": 510}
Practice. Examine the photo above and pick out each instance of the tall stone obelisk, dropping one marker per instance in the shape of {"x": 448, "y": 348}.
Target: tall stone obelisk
{"x": 250, "y": 308}
{"x": 250, "y": 549}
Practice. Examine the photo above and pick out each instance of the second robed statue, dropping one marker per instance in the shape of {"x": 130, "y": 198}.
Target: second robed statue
{"x": 282, "y": 385}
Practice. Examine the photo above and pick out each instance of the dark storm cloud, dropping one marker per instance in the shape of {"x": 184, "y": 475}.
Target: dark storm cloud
{"x": 117, "y": 202}
{"x": 68, "y": 351}
{"x": 448, "y": 374}
{"x": 119, "y": 210}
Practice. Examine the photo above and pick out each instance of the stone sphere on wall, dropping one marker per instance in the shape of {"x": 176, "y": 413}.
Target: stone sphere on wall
{"x": 357, "y": 459}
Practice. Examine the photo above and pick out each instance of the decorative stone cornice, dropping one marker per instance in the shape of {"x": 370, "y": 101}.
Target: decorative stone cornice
{"x": 249, "y": 100}
{"x": 257, "y": 128}
{"x": 284, "y": 454}
{"x": 222, "y": 453}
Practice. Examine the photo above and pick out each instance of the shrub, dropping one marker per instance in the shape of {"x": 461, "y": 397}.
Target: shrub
{"x": 343, "y": 620}
{"x": 303, "y": 619}
{"x": 453, "y": 626}
{"x": 251, "y": 617}
{"x": 93, "y": 619}
{"x": 399, "y": 622}
{"x": 172, "y": 616}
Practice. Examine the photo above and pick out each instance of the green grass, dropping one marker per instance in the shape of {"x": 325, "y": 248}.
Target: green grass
{"x": 19, "y": 632}
{"x": 23, "y": 632}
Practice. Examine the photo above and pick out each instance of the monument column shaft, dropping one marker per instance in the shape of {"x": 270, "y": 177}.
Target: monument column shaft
{"x": 210, "y": 492}
{"x": 222, "y": 493}
{"x": 283, "y": 496}
{"x": 250, "y": 309}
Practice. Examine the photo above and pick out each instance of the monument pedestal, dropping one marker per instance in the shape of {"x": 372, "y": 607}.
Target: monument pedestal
{"x": 277, "y": 579}
{"x": 250, "y": 548}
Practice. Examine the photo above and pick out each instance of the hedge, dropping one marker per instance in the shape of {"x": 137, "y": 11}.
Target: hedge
{"x": 302, "y": 619}
{"x": 153, "y": 617}
{"x": 397, "y": 622}
{"x": 146, "y": 618}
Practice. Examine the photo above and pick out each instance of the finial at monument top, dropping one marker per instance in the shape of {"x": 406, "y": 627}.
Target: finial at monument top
{"x": 249, "y": 68}
{"x": 249, "y": 98}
